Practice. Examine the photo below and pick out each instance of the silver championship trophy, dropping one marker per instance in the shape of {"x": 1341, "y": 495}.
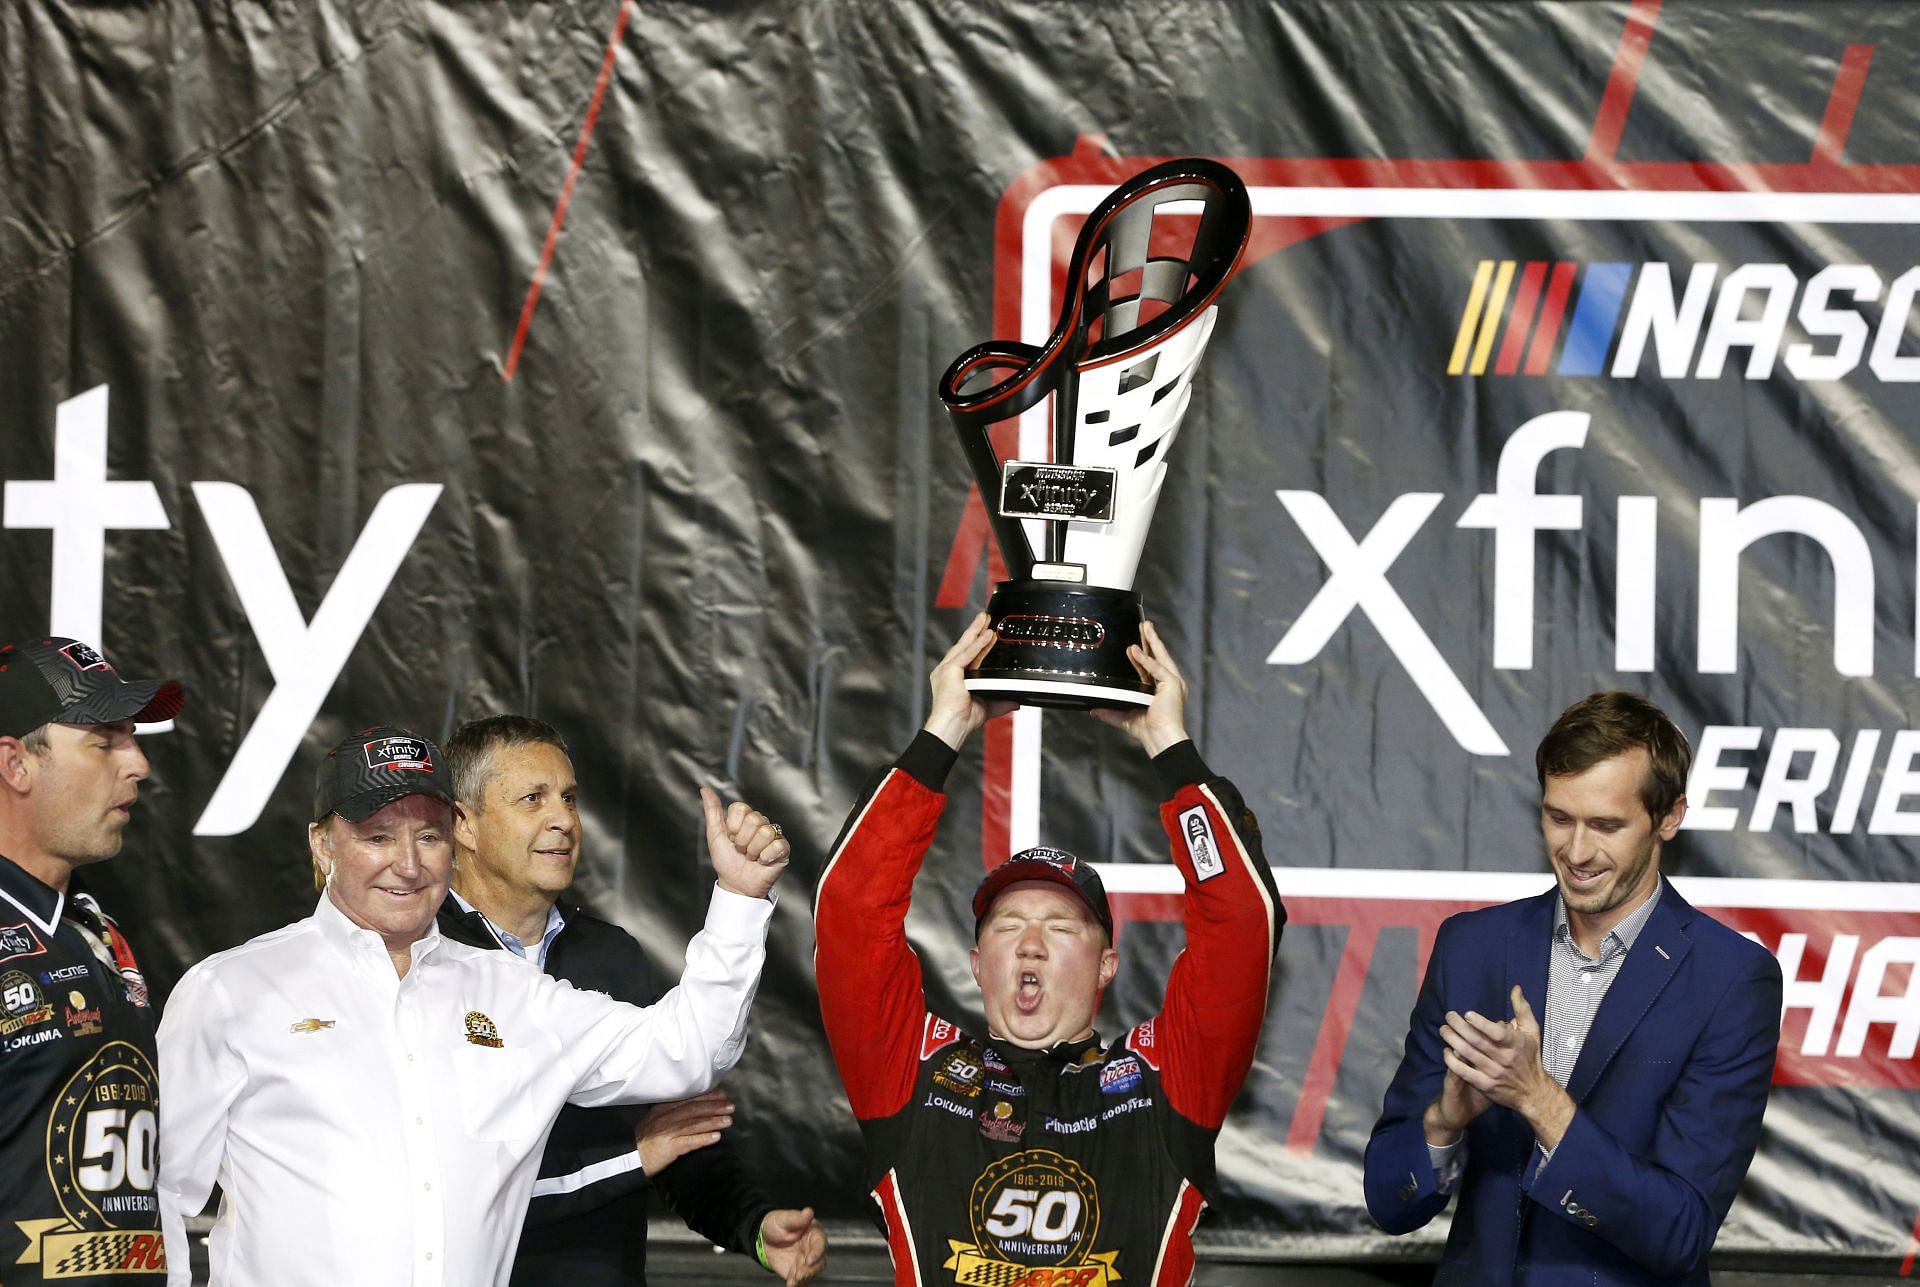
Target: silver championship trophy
{"x": 1119, "y": 366}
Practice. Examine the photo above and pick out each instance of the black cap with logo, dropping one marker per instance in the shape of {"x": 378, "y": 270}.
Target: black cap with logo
{"x": 1041, "y": 863}
{"x": 63, "y": 681}
{"x": 375, "y": 767}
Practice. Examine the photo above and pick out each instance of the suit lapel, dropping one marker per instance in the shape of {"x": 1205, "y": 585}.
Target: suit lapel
{"x": 1527, "y": 951}
{"x": 1649, "y": 966}
{"x": 1527, "y": 958}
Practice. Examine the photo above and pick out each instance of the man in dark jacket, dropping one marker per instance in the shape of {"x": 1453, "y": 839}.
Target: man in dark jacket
{"x": 76, "y": 1034}
{"x": 517, "y": 839}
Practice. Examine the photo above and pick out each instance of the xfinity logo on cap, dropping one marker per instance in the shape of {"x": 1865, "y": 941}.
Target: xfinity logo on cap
{"x": 84, "y": 657}
{"x": 399, "y": 753}
{"x": 1053, "y": 857}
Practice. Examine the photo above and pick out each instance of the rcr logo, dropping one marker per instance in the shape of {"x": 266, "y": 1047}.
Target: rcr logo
{"x": 79, "y": 506}
{"x": 1514, "y": 512}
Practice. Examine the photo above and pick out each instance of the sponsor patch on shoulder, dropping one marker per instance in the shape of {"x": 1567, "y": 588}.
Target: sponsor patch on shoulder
{"x": 1196, "y": 828}
{"x": 19, "y": 940}
{"x": 936, "y": 1035}
{"x": 1141, "y": 1040}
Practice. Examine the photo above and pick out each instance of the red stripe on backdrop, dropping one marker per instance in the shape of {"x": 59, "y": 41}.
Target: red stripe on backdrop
{"x": 1830, "y": 144}
{"x": 1847, "y": 938}
{"x": 1610, "y": 120}
{"x": 566, "y": 192}
{"x": 1324, "y": 1064}
{"x": 1521, "y": 318}
{"x": 1548, "y": 331}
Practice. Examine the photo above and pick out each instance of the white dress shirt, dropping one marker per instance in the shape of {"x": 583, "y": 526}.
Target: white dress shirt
{"x": 377, "y": 1131}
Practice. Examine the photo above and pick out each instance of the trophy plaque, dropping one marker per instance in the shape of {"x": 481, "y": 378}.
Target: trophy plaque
{"x": 1138, "y": 309}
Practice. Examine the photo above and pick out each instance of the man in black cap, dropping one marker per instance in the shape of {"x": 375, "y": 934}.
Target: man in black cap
{"x": 77, "y": 1122}
{"x": 1037, "y": 1151}
{"x": 373, "y": 1098}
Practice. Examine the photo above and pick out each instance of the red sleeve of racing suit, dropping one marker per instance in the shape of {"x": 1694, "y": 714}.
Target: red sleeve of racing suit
{"x": 1203, "y": 1039}
{"x": 869, "y": 978}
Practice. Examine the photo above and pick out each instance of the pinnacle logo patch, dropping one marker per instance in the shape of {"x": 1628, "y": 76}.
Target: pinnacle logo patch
{"x": 408, "y": 753}
{"x": 481, "y": 1032}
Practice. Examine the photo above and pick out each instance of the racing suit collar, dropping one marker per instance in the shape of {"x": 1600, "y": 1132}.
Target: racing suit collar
{"x": 25, "y": 891}
{"x": 1063, "y": 1052}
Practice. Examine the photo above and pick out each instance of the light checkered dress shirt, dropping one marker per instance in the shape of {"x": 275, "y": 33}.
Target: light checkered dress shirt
{"x": 1576, "y": 984}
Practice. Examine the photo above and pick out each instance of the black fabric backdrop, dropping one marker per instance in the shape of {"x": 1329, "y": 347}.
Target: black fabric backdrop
{"x": 715, "y": 528}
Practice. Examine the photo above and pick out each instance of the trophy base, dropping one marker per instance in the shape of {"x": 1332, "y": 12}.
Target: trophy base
{"x": 1061, "y": 644}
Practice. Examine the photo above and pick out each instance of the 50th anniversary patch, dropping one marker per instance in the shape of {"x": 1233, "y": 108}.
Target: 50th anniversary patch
{"x": 1034, "y": 1218}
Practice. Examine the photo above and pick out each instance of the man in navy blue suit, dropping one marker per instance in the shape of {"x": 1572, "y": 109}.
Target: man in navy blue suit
{"x": 1588, "y": 1068}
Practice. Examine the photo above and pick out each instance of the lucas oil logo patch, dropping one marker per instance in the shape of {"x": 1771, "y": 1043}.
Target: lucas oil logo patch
{"x": 1197, "y": 830}
{"x": 1033, "y": 1218}
{"x": 1120, "y": 1076}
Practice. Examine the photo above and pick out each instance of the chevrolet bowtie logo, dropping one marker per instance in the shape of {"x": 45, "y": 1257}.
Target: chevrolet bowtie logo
{"x": 311, "y": 1025}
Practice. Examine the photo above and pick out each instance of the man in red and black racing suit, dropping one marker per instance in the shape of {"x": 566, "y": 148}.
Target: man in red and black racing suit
{"x": 1037, "y": 1154}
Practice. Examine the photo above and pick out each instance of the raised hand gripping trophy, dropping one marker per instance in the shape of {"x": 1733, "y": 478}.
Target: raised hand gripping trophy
{"x": 1119, "y": 366}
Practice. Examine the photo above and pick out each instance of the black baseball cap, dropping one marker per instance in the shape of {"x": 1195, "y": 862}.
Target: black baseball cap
{"x": 63, "y": 681}
{"x": 1042, "y": 863}
{"x": 375, "y": 767}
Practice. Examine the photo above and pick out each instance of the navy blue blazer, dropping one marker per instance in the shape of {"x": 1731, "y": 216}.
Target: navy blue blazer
{"x": 1671, "y": 1086}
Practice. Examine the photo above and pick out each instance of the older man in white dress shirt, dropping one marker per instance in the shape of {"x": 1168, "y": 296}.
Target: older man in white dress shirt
{"x": 373, "y": 1099}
